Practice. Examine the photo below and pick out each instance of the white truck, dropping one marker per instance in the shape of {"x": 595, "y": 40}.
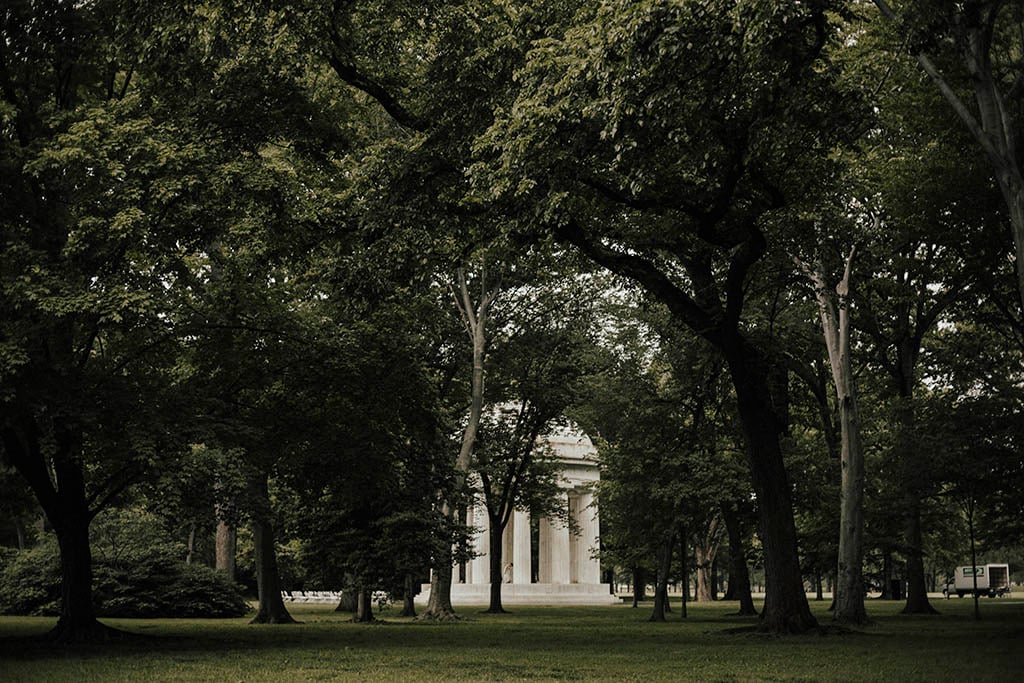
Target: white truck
{"x": 993, "y": 580}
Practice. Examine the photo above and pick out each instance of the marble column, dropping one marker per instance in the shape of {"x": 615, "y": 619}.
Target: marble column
{"x": 521, "y": 559}
{"x": 479, "y": 567}
{"x": 576, "y": 550}
{"x": 589, "y": 540}
{"x": 468, "y": 566}
{"x": 559, "y": 552}
{"x": 543, "y": 550}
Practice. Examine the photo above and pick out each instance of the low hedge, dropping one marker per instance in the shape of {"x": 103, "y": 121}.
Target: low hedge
{"x": 149, "y": 584}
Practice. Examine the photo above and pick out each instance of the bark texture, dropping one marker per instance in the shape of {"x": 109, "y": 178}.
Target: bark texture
{"x": 786, "y": 609}
{"x": 661, "y": 582}
{"x": 639, "y": 585}
{"x": 835, "y": 323}
{"x": 271, "y": 609}
{"x": 494, "y": 566}
{"x": 739, "y": 574}
{"x": 364, "y": 607}
{"x": 409, "y": 597}
{"x": 911, "y": 474}
{"x": 348, "y": 602}
{"x": 706, "y": 551}
{"x": 190, "y": 546}
{"x": 439, "y": 604}
{"x": 77, "y": 620}
{"x": 226, "y": 541}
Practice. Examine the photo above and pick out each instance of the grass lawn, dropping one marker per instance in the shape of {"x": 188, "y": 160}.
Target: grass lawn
{"x": 536, "y": 643}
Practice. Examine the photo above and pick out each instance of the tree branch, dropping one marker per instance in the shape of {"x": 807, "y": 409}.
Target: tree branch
{"x": 743, "y": 259}
{"x": 646, "y": 273}
{"x": 973, "y": 126}
{"x": 641, "y": 203}
{"x": 343, "y": 63}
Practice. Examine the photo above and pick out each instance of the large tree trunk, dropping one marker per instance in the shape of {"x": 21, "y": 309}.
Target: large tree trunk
{"x": 739, "y": 574}
{"x": 661, "y": 582}
{"x": 348, "y": 602}
{"x": 66, "y": 507}
{"x": 917, "y": 593}
{"x": 849, "y": 595}
{"x": 685, "y": 579}
{"x": 409, "y": 597}
{"x": 706, "y": 551}
{"x": 77, "y": 617}
{"x": 271, "y": 608}
{"x": 786, "y": 609}
{"x": 226, "y": 541}
{"x": 835, "y": 324}
{"x": 494, "y": 559}
{"x": 439, "y": 604}
{"x": 913, "y": 544}
{"x": 639, "y": 585}
{"x": 364, "y": 607}
{"x": 704, "y": 567}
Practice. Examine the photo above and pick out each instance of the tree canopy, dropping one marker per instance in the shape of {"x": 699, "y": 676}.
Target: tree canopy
{"x": 241, "y": 247}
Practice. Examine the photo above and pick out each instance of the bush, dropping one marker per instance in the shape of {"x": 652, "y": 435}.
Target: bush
{"x": 147, "y": 584}
{"x": 30, "y": 581}
{"x": 158, "y": 586}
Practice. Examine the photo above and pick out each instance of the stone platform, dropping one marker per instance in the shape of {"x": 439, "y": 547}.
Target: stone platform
{"x": 529, "y": 594}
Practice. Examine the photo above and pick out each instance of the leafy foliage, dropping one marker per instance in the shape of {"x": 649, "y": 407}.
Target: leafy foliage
{"x": 138, "y": 573}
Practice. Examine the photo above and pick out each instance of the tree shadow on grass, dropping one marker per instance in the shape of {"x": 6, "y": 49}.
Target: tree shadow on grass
{"x": 821, "y": 630}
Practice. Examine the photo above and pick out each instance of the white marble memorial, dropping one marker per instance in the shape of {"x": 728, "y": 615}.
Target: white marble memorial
{"x": 568, "y": 573}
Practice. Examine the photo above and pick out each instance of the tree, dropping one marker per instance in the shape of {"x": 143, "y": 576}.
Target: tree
{"x": 371, "y": 459}
{"x": 982, "y": 460}
{"x": 543, "y": 348}
{"x": 475, "y": 316}
{"x": 129, "y": 133}
{"x": 515, "y": 471}
{"x": 187, "y": 495}
{"x": 929, "y": 250}
{"x": 979, "y": 40}
{"x": 735, "y": 516}
{"x": 655, "y": 413}
{"x": 673, "y": 182}
{"x": 973, "y": 411}
{"x": 835, "y": 323}
{"x": 642, "y": 471}
{"x": 89, "y": 249}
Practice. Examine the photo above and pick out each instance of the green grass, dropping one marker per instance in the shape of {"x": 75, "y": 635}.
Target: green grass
{"x": 583, "y": 644}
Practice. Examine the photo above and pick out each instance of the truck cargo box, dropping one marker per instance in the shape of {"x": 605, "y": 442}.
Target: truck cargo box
{"x": 991, "y": 579}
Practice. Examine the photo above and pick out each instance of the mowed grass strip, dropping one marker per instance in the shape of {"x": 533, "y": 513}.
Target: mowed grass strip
{"x": 535, "y": 643}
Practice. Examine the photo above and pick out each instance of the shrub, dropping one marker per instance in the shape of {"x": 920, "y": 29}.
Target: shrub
{"x": 30, "y": 581}
{"x": 158, "y": 586}
{"x": 147, "y": 584}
